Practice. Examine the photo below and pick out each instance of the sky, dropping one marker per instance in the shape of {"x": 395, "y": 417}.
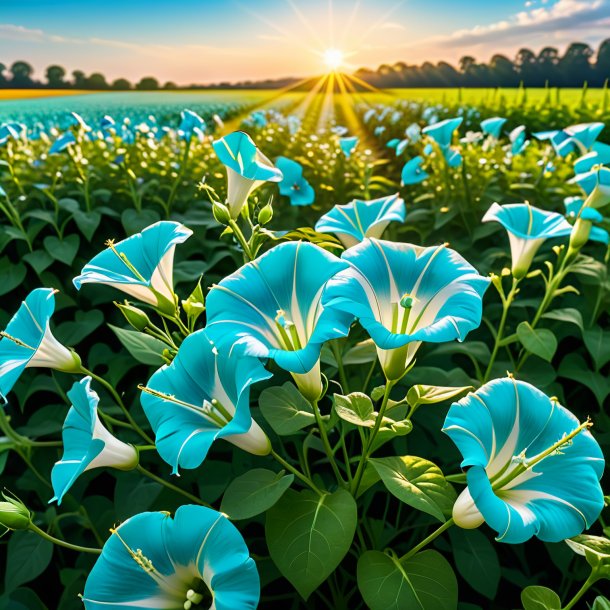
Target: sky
{"x": 208, "y": 41}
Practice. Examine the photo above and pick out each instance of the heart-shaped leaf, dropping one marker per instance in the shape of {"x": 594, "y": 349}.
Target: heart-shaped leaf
{"x": 254, "y": 492}
{"x": 63, "y": 250}
{"x": 308, "y": 535}
{"x": 423, "y": 582}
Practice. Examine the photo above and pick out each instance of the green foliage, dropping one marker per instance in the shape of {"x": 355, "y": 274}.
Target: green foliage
{"x": 423, "y": 582}
{"x": 309, "y": 534}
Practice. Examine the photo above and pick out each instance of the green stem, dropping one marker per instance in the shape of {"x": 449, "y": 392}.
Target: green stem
{"x": 435, "y": 534}
{"x": 506, "y": 303}
{"x": 553, "y": 284}
{"x": 171, "y": 486}
{"x": 58, "y": 542}
{"x": 297, "y": 473}
{"x": 585, "y": 587}
{"x": 242, "y": 241}
{"x": 326, "y": 443}
{"x": 120, "y": 403}
{"x": 367, "y": 448}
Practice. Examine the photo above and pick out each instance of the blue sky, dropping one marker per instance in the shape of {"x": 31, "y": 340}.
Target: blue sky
{"x": 211, "y": 40}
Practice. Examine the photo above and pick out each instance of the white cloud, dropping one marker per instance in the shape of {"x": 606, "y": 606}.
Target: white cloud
{"x": 563, "y": 15}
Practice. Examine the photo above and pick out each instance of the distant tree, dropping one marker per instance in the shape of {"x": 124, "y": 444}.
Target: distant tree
{"x": 148, "y": 83}
{"x": 548, "y": 61}
{"x": 502, "y": 72}
{"x": 55, "y": 77}
{"x": 3, "y": 80}
{"x": 602, "y": 65}
{"x": 22, "y": 75}
{"x": 79, "y": 80}
{"x": 97, "y": 82}
{"x": 575, "y": 65}
{"x": 527, "y": 67}
{"x": 447, "y": 74}
{"x": 169, "y": 85}
{"x": 121, "y": 84}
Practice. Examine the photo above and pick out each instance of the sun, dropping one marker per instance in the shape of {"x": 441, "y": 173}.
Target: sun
{"x": 333, "y": 59}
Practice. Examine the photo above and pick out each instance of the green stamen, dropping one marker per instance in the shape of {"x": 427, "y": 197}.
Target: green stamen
{"x": 123, "y": 258}
{"x": 17, "y": 341}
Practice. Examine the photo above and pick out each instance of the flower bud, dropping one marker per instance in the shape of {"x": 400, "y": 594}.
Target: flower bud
{"x": 14, "y": 515}
{"x": 265, "y": 215}
{"x": 194, "y": 306}
{"x": 135, "y": 316}
{"x": 221, "y": 213}
{"x": 580, "y": 233}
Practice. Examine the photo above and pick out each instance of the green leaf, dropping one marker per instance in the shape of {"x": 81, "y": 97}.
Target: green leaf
{"x": 85, "y": 322}
{"x": 355, "y": 408}
{"x": 134, "y": 221}
{"x": 22, "y": 599}
{"x": 598, "y": 343}
{"x": 574, "y": 367}
{"x": 12, "y": 275}
{"x": 143, "y": 348}
{"x": 39, "y": 260}
{"x": 430, "y": 394}
{"x": 362, "y": 353}
{"x": 540, "y": 342}
{"x": 28, "y": 556}
{"x": 254, "y": 492}
{"x": 540, "y": 598}
{"x": 418, "y": 483}
{"x": 285, "y": 409}
{"x": 308, "y": 535}
{"x": 87, "y": 222}
{"x": 63, "y": 250}
{"x": 424, "y": 582}
{"x": 568, "y": 314}
{"x": 476, "y": 560}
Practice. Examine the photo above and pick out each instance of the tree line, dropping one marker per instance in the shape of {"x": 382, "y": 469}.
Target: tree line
{"x": 20, "y": 75}
{"x": 579, "y": 64}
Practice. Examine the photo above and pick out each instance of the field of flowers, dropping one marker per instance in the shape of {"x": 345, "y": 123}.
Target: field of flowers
{"x": 305, "y": 351}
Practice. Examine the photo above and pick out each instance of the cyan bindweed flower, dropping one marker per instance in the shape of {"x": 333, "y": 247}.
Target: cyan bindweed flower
{"x": 28, "y": 341}
{"x": 404, "y": 294}
{"x": 599, "y": 155}
{"x": 197, "y": 559}
{"x": 598, "y": 178}
{"x": 247, "y": 168}
{"x": 11, "y": 131}
{"x": 576, "y": 138}
{"x": 347, "y": 145}
{"x": 141, "y": 265}
{"x": 293, "y": 185}
{"x": 518, "y": 140}
{"x": 412, "y": 172}
{"x": 76, "y": 120}
{"x": 493, "y": 127}
{"x": 190, "y": 124}
{"x": 413, "y": 132}
{"x": 339, "y": 130}
{"x": 584, "y": 217}
{"x": 532, "y": 468}
{"x": 87, "y": 444}
{"x": 200, "y": 397}
{"x": 62, "y": 143}
{"x": 271, "y": 308}
{"x": 442, "y": 132}
{"x": 527, "y": 227}
{"x": 359, "y": 219}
